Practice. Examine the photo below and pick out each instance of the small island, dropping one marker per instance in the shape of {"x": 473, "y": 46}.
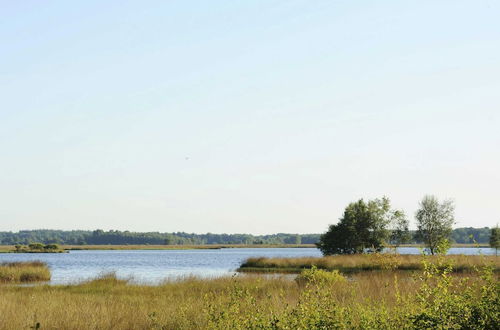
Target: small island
{"x": 37, "y": 248}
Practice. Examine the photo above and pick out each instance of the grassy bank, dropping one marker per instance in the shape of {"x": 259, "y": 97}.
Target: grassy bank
{"x": 364, "y": 262}
{"x": 24, "y": 272}
{"x": 11, "y": 248}
{"x": 321, "y": 301}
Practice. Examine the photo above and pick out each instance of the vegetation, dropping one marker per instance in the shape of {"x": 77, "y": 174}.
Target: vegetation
{"x": 115, "y": 237}
{"x": 182, "y": 247}
{"x": 399, "y": 229}
{"x": 38, "y": 248}
{"x": 23, "y": 272}
{"x": 495, "y": 239}
{"x": 366, "y": 262}
{"x": 433, "y": 298}
{"x": 434, "y": 222}
{"x": 362, "y": 227}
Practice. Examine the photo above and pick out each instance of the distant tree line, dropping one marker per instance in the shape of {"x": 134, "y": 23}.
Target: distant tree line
{"x": 115, "y": 237}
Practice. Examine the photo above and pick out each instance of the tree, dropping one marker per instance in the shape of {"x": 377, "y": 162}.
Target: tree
{"x": 362, "y": 227}
{"x": 400, "y": 233}
{"x": 495, "y": 239}
{"x": 434, "y": 223}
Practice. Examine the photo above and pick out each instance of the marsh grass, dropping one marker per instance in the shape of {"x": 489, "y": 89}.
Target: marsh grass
{"x": 319, "y": 300}
{"x": 433, "y": 297}
{"x": 365, "y": 262}
{"x": 24, "y": 272}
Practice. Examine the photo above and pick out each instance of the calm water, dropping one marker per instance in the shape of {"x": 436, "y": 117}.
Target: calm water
{"x": 152, "y": 266}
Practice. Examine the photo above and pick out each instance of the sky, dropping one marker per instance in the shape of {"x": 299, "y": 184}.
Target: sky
{"x": 245, "y": 116}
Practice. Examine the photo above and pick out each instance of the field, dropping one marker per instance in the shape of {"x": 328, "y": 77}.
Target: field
{"x": 318, "y": 300}
{"x": 365, "y": 262}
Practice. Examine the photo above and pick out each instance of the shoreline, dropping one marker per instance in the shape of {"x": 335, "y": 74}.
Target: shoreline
{"x": 66, "y": 248}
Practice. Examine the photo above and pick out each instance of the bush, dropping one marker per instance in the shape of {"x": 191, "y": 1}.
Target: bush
{"x": 36, "y": 246}
{"x": 51, "y": 247}
{"x": 319, "y": 277}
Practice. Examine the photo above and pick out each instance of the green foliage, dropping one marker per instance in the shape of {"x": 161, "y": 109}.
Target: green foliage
{"x": 315, "y": 276}
{"x": 36, "y": 246}
{"x": 470, "y": 235}
{"x": 441, "y": 302}
{"x": 495, "y": 239}
{"x": 443, "y": 246}
{"x": 51, "y": 247}
{"x": 362, "y": 227}
{"x": 434, "y": 222}
{"x": 116, "y": 237}
{"x": 400, "y": 233}
{"x": 315, "y": 309}
{"x": 446, "y": 303}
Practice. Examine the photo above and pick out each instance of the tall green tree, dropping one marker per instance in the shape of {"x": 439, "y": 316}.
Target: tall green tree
{"x": 363, "y": 227}
{"x": 399, "y": 227}
{"x": 495, "y": 239}
{"x": 434, "y": 223}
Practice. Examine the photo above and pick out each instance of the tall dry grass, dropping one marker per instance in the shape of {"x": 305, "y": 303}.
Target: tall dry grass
{"x": 193, "y": 303}
{"x": 364, "y": 262}
{"x": 24, "y": 272}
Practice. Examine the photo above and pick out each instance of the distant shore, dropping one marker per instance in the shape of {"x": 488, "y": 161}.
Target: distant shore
{"x": 11, "y": 248}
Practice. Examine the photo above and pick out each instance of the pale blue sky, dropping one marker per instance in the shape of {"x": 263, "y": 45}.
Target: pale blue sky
{"x": 245, "y": 116}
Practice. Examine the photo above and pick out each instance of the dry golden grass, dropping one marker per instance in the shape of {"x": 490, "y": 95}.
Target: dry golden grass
{"x": 364, "y": 262}
{"x": 110, "y": 303}
{"x": 24, "y": 272}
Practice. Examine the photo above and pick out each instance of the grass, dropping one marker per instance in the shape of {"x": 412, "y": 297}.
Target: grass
{"x": 369, "y": 300}
{"x": 24, "y": 272}
{"x": 364, "y": 262}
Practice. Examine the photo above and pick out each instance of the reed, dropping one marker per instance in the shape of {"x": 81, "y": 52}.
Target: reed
{"x": 367, "y": 300}
{"x": 24, "y": 272}
{"x": 365, "y": 262}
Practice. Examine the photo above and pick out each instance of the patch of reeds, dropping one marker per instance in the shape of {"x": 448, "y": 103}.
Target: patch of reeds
{"x": 24, "y": 272}
{"x": 365, "y": 262}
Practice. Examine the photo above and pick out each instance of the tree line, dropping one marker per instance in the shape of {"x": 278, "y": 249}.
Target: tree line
{"x": 116, "y": 237}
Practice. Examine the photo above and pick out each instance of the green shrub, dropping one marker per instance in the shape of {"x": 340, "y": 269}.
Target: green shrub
{"x": 442, "y": 301}
{"x": 319, "y": 277}
{"x": 51, "y": 247}
{"x": 36, "y": 246}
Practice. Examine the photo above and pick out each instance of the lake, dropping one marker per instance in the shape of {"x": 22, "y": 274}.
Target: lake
{"x": 153, "y": 266}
